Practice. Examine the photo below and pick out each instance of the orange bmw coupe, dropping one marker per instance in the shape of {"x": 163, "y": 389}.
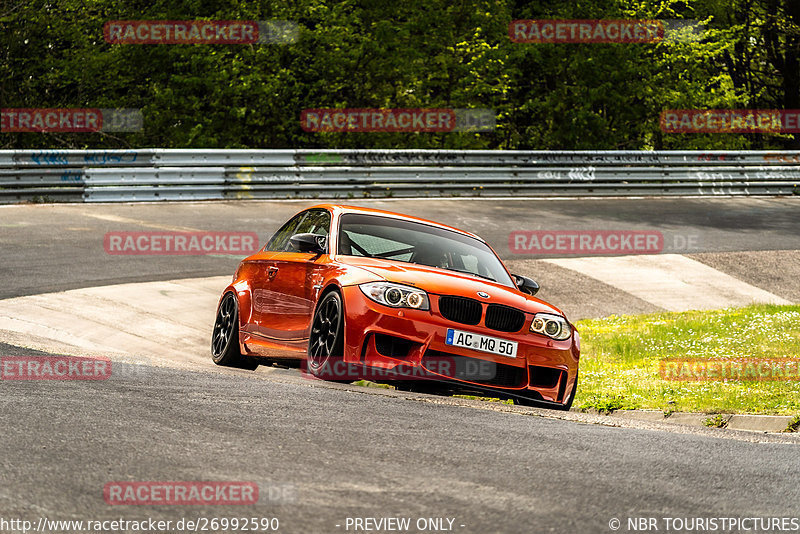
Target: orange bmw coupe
{"x": 364, "y": 293}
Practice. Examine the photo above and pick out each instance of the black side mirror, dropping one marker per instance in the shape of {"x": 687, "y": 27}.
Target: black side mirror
{"x": 312, "y": 243}
{"x": 525, "y": 284}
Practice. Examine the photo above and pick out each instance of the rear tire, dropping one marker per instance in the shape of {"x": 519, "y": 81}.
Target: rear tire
{"x": 225, "y": 337}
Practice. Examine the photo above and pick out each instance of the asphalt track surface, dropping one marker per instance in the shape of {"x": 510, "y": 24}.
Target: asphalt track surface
{"x": 56, "y": 247}
{"x": 344, "y": 451}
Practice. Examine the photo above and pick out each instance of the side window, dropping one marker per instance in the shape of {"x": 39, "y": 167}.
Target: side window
{"x": 280, "y": 240}
{"x": 316, "y": 222}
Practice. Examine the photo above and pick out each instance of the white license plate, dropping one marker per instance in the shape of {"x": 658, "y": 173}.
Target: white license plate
{"x": 492, "y": 345}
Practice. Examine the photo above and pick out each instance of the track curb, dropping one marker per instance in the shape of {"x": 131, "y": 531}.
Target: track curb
{"x": 748, "y": 422}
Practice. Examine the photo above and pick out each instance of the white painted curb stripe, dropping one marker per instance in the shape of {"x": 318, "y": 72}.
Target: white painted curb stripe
{"x": 163, "y": 322}
{"x": 670, "y": 281}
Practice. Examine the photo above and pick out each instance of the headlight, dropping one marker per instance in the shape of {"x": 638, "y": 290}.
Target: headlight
{"x": 550, "y": 325}
{"x": 396, "y": 295}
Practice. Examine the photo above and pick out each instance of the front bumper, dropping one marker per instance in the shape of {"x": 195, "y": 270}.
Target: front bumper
{"x": 411, "y": 344}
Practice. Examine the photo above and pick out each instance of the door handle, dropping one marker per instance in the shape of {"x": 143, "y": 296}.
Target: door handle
{"x": 271, "y": 272}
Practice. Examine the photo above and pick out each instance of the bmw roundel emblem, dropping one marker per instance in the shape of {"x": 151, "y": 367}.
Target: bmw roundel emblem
{"x": 483, "y": 295}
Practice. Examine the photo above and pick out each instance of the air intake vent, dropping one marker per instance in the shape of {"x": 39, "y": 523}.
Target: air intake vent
{"x": 460, "y": 310}
{"x": 544, "y": 377}
{"x": 504, "y": 319}
{"x": 394, "y": 347}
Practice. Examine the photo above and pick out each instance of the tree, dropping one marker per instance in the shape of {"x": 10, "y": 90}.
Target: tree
{"x": 370, "y": 54}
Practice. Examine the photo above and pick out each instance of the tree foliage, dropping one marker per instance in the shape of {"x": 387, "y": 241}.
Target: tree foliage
{"x": 431, "y": 54}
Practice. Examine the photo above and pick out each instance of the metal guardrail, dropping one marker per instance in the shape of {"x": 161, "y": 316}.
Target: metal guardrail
{"x": 206, "y": 174}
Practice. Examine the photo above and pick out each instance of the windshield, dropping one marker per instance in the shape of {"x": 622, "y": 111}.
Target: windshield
{"x": 374, "y": 236}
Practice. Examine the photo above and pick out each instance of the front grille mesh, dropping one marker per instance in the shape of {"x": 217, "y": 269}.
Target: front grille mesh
{"x": 460, "y": 309}
{"x": 504, "y": 319}
{"x": 475, "y": 370}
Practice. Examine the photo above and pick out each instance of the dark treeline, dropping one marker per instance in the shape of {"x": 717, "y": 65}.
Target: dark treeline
{"x": 427, "y": 54}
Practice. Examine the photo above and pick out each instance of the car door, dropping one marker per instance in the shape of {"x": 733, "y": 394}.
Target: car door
{"x": 294, "y": 281}
{"x": 263, "y": 271}
{"x": 255, "y": 269}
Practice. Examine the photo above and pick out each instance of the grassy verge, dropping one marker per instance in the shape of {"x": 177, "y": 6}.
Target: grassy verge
{"x": 484, "y": 399}
{"x": 621, "y": 355}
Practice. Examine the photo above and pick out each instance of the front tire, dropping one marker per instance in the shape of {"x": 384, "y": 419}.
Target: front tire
{"x": 567, "y": 405}
{"x": 326, "y": 339}
{"x": 523, "y": 400}
{"x": 225, "y": 337}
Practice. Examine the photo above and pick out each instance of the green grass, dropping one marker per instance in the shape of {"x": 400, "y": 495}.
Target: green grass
{"x": 717, "y": 421}
{"x": 620, "y": 358}
{"x": 484, "y": 399}
{"x": 370, "y": 384}
{"x": 794, "y": 424}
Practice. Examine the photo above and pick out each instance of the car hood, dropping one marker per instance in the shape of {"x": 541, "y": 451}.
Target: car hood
{"x": 444, "y": 282}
